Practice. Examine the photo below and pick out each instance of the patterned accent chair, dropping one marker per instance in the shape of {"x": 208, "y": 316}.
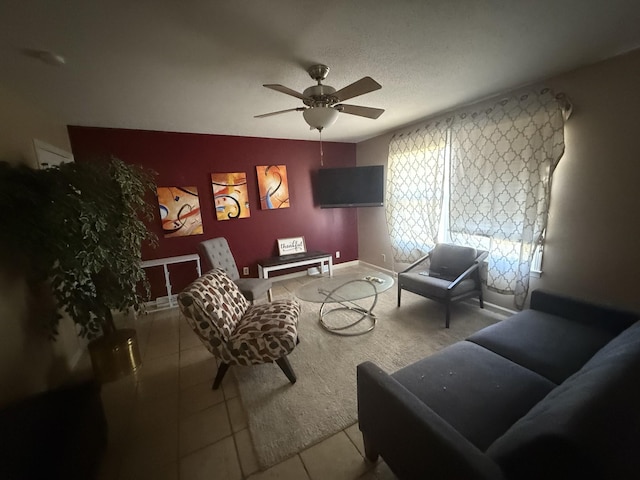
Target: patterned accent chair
{"x": 447, "y": 274}
{"x": 235, "y": 331}
{"x": 215, "y": 253}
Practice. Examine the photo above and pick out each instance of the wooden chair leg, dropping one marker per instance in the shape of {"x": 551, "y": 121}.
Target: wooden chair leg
{"x": 222, "y": 369}
{"x": 481, "y": 300}
{"x": 285, "y": 366}
{"x": 399, "y": 292}
{"x": 270, "y": 295}
{"x": 447, "y": 315}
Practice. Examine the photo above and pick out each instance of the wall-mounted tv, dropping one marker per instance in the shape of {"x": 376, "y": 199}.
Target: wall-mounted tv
{"x": 350, "y": 187}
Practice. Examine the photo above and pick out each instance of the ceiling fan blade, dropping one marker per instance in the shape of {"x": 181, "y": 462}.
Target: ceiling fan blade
{"x": 360, "y": 87}
{"x": 298, "y": 109}
{"x": 286, "y": 90}
{"x": 361, "y": 111}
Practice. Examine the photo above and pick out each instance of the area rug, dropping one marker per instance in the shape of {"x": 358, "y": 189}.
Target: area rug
{"x": 285, "y": 419}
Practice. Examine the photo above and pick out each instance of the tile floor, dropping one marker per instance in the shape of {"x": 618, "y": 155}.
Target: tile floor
{"x": 166, "y": 423}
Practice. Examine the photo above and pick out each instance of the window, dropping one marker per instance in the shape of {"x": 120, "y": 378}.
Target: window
{"x": 481, "y": 179}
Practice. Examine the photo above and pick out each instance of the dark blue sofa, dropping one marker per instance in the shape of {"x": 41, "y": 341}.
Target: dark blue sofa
{"x": 550, "y": 393}
{"x": 58, "y": 434}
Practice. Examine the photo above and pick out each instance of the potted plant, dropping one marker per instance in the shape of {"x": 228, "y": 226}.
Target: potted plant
{"x": 82, "y": 229}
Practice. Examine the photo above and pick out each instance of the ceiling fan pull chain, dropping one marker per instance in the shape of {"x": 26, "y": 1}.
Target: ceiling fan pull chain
{"x": 321, "y": 152}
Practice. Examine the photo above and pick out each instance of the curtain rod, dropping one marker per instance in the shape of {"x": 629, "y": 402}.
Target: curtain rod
{"x": 474, "y": 108}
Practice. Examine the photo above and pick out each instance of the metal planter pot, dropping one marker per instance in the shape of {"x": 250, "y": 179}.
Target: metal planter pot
{"x": 115, "y": 355}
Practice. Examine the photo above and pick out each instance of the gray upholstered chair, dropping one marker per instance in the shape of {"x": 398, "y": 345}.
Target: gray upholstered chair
{"x": 447, "y": 274}
{"x": 236, "y": 332}
{"x": 215, "y": 253}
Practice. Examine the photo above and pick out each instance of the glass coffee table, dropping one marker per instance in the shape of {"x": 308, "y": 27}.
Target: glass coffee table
{"x": 345, "y": 290}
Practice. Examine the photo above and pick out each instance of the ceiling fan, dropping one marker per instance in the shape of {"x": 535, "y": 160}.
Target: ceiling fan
{"x": 323, "y": 101}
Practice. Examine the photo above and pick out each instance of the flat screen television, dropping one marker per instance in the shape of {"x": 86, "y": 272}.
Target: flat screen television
{"x": 350, "y": 187}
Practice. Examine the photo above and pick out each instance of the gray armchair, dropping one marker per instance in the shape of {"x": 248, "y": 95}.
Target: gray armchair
{"x": 215, "y": 253}
{"x": 447, "y": 274}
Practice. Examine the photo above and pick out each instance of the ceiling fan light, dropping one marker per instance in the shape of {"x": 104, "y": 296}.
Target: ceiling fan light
{"x": 320, "y": 117}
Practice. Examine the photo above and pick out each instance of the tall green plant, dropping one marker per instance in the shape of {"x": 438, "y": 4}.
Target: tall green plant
{"x": 82, "y": 231}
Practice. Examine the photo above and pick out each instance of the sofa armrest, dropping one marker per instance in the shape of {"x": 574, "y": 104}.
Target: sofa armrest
{"x": 414, "y": 441}
{"x": 597, "y": 315}
{"x": 60, "y": 433}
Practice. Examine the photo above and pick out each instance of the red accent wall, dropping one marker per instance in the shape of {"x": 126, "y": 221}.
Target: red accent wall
{"x": 185, "y": 159}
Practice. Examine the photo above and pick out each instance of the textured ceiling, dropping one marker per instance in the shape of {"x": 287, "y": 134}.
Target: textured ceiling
{"x": 198, "y": 66}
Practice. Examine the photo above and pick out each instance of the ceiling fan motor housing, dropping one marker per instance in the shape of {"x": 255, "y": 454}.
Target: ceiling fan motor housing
{"x": 319, "y": 96}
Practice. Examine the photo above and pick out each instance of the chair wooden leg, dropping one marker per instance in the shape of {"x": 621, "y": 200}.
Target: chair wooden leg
{"x": 481, "y": 300}
{"x": 399, "y": 292}
{"x": 285, "y": 366}
{"x": 270, "y": 295}
{"x": 222, "y": 369}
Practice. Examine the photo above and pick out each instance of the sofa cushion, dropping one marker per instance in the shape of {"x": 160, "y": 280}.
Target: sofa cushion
{"x": 549, "y": 345}
{"x": 60, "y": 433}
{"x": 586, "y": 428}
{"x": 479, "y": 393}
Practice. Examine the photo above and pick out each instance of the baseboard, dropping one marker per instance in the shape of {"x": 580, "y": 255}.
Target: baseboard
{"x": 378, "y": 267}
{"x": 352, "y": 263}
{"x": 162, "y": 303}
{"x": 493, "y": 307}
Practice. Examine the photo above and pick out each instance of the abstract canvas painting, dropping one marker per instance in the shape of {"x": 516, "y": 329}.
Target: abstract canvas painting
{"x": 230, "y": 195}
{"x": 273, "y": 186}
{"x": 179, "y": 211}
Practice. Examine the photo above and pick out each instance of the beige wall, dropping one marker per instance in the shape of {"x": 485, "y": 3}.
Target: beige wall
{"x": 20, "y": 123}
{"x": 29, "y": 361}
{"x": 592, "y": 240}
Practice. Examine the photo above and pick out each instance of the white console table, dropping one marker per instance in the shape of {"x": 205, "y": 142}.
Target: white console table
{"x": 165, "y": 262}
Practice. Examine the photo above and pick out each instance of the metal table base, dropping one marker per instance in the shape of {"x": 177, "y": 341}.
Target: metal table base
{"x": 350, "y": 306}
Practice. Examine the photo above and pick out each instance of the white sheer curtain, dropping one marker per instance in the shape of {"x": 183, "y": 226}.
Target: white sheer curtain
{"x": 502, "y": 157}
{"x": 415, "y": 177}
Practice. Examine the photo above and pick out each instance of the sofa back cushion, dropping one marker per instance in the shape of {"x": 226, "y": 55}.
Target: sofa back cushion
{"x": 588, "y": 427}
{"x": 552, "y": 346}
{"x": 597, "y": 315}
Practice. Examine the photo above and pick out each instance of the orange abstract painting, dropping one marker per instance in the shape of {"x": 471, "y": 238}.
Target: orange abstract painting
{"x": 273, "y": 186}
{"x": 230, "y": 195}
{"x": 179, "y": 211}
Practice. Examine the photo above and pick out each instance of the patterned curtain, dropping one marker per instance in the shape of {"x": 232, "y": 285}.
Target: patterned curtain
{"x": 414, "y": 193}
{"x": 501, "y": 165}
{"x": 501, "y": 158}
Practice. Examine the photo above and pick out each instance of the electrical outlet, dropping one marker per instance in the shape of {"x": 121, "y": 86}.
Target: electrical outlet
{"x": 245, "y": 270}
{"x": 338, "y": 254}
